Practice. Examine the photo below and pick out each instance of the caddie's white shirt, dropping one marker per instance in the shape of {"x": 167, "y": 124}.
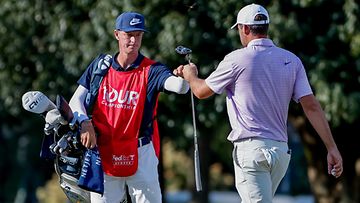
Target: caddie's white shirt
{"x": 260, "y": 80}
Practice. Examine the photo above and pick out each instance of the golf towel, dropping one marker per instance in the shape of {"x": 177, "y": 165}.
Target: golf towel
{"x": 92, "y": 176}
{"x": 45, "y": 152}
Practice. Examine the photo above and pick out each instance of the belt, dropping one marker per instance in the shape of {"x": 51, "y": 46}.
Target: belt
{"x": 143, "y": 141}
{"x": 268, "y": 142}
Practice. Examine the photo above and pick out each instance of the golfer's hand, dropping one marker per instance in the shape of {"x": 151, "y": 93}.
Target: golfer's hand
{"x": 189, "y": 71}
{"x": 87, "y": 134}
{"x": 335, "y": 165}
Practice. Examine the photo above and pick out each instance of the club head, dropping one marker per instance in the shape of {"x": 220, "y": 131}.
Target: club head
{"x": 37, "y": 102}
{"x": 183, "y": 50}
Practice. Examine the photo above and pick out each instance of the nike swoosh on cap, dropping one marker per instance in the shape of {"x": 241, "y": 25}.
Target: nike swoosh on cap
{"x": 135, "y": 21}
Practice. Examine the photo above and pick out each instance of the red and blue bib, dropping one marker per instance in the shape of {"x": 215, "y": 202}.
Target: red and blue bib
{"x": 117, "y": 115}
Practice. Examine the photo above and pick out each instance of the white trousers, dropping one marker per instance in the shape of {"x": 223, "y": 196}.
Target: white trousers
{"x": 143, "y": 186}
{"x": 260, "y": 165}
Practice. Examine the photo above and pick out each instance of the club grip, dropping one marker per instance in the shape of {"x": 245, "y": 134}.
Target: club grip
{"x": 197, "y": 171}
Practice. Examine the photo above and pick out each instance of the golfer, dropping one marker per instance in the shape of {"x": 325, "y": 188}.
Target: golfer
{"x": 260, "y": 80}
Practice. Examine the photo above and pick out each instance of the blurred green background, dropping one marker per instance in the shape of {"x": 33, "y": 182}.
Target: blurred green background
{"x": 46, "y": 45}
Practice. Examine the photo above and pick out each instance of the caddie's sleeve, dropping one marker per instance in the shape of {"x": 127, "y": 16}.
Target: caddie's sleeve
{"x": 177, "y": 85}
{"x": 158, "y": 75}
{"x": 85, "y": 78}
{"x": 77, "y": 102}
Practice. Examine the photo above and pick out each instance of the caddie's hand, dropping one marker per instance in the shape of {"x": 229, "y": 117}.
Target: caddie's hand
{"x": 87, "y": 134}
{"x": 178, "y": 71}
{"x": 335, "y": 164}
{"x": 189, "y": 71}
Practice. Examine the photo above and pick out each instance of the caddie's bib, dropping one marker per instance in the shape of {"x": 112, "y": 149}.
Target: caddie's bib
{"x": 117, "y": 115}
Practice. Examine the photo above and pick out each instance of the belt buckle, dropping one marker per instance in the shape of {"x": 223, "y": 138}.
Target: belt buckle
{"x": 142, "y": 141}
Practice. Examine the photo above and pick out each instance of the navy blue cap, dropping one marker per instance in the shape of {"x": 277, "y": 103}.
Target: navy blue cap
{"x": 130, "y": 21}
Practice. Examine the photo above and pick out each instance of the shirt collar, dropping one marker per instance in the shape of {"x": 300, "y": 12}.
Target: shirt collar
{"x": 261, "y": 42}
{"x": 132, "y": 66}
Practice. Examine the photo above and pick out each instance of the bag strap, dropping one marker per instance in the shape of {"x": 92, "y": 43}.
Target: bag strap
{"x": 100, "y": 68}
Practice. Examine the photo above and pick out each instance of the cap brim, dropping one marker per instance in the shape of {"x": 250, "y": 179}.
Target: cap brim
{"x": 134, "y": 29}
{"x": 232, "y": 27}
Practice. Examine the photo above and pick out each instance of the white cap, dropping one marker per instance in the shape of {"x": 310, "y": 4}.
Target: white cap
{"x": 246, "y": 15}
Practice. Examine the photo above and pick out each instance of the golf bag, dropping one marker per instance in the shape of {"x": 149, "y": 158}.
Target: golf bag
{"x": 68, "y": 163}
{"x": 79, "y": 169}
{"x": 61, "y": 142}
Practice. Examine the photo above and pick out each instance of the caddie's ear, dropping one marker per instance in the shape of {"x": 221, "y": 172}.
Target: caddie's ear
{"x": 116, "y": 34}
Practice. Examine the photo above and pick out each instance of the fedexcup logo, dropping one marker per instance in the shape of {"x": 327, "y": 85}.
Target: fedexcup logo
{"x": 135, "y": 21}
{"x": 123, "y": 160}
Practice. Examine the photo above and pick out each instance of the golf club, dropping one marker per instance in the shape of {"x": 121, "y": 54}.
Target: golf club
{"x": 37, "y": 102}
{"x": 186, "y": 52}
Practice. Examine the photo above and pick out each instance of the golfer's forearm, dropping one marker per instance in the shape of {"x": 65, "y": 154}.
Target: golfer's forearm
{"x": 199, "y": 88}
{"x": 320, "y": 124}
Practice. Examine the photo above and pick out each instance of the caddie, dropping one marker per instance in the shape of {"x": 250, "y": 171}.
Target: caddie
{"x": 123, "y": 114}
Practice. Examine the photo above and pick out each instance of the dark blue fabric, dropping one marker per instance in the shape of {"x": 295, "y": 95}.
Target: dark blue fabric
{"x": 144, "y": 141}
{"x": 92, "y": 176}
{"x": 45, "y": 152}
